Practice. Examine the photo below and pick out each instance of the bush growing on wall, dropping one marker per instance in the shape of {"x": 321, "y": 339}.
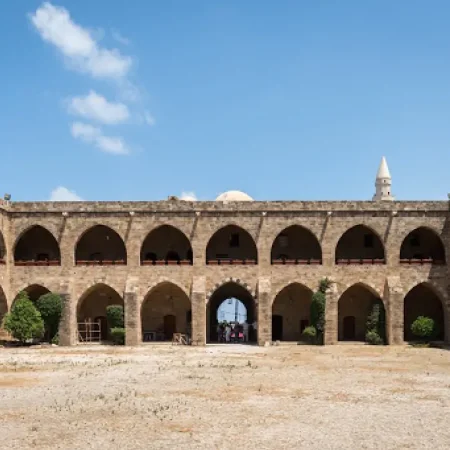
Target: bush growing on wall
{"x": 115, "y": 317}
{"x": 309, "y": 335}
{"x": 376, "y": 324}
{"x": 24, "y": 322}
{"x": 50, "y": 307}
{"x": 118, "y": 336}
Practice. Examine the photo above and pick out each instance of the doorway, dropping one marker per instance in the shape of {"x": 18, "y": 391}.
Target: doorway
{"x": 170, "y": 326}
{"x": 349, "y": 325}
{"x": 277, "y": 328}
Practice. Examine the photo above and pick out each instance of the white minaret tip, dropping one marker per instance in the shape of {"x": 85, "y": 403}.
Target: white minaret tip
{"x": 383, "y": 170}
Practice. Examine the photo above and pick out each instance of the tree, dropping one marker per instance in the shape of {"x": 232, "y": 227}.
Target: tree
{"x": 24, "y": 322}
{"x": 376, "y": 324}
{"x": 115, "y": 317}
{"x": 50, "y": 306}
{"x": 317, "y": 310}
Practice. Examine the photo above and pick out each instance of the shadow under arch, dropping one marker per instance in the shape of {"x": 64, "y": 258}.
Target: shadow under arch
{"x": 296, "y": 244}
{"x": 360, "y": 244}
{"x": 354, "y": 306}
{"x": 423, "y": 243}
{"x": 231, "y": 244}
{"x": 34, "y": 292}
{"x": 291, "y": 312}
{"x": 166, "y": 243}
{"x": 165, "y": 310}
{"x": 92, "y": 305}
{"x": 36, "y": 244}
{"x": 424, "y": 300}
{"x": 100, "y": 244}
{"x": 226, "y": 291}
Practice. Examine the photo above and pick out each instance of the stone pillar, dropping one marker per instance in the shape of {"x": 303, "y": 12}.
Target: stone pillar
{"x": 264, "y": 311}
{"x": 393, "y": 298}
{"x": 198, "y": 303}
{"x": 68, "y": 333}
{"x": 132, "y": 319}
{"x": 132, "y": 312}
{"x": 331, "y": 316}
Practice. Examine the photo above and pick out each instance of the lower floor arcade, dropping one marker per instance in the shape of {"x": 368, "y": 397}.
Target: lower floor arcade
{"x": 168, "y": 308}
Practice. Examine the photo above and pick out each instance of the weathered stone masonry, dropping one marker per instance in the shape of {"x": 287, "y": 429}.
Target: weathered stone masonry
{"x": 413, "y": 238}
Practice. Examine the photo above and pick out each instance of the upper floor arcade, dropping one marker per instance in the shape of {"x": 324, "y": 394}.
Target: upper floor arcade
{"x": 184, "y": 236}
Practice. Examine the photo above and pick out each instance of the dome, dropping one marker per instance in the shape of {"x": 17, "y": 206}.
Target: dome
{"x": 234, "y": 196}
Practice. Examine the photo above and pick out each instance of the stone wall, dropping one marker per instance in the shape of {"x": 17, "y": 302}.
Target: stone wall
{"x": 390, "y": 222}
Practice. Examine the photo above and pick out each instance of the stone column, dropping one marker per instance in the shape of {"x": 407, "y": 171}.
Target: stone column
{"x": 132, "y": 312}
{"x": 198, "y": 303}
{"x": 393, "y": 298}
{"x": 331, "y": 316}
{"x": 68, "y": 326}
{"x": 264, "y": 311}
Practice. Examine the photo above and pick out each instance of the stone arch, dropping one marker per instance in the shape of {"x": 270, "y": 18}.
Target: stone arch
{"x": 165, "y": 310}
{"x": 100, "y": 245}
{"x": 36, "y": 245}
{"x": 229, "y": 289}
{"x": 424, "y": 244}
{"x": 34, "y": 291}
{"x": 424, "y": 299}
{"x": 231, "y": 244}
{"x": 166, "y": 244}
{"x": 360, "y": 244}
{"x": 354, "y": 307}
{"x": 2, "y": 249}
{"x": 91, "y": 307}
{"x": 296, "y": 244}
{"x": 291, "y": 312}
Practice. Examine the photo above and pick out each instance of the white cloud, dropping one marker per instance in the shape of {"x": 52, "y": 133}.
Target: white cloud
{"x": 149, "y": 119}
{"x": 94, "y": 106}
{"x": 77, "y": 44}
{"x": 119, "y": 38}
{"x": 188, "y": 196}
{"x": 62, "y": 194}
{"x": 94, "y": 135}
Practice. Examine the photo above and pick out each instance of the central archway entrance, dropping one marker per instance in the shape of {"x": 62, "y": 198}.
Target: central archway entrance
{"x": 218, "y": 303}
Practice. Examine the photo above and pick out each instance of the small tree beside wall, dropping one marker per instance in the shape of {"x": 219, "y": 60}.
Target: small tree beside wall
{"x": 116, "y": 323}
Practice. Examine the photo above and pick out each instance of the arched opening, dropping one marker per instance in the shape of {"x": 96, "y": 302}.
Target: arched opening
{"x": 222, "y": 296}
{"x": 166, "y": 310}
{"x": 296, "y": 245}
{"x": 422, "y": 245}
{"x": 354, "y": 307}
{"x": 100, "y": 245}
{"x": 231, "y": 245}
{"x": 166, "y": 245}
{"x": 35, "y": 291}
{"x": 37, "y": 247}
{"x": 91, "y": 312}
{"x": 2, "y": 250}
{"x": 291, "y": 312}
{"x": 422, "y": 300}
{"x": 360, "y": 245}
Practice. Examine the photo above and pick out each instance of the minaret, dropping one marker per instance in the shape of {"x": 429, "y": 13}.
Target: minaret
{"x": 383, "y": 183}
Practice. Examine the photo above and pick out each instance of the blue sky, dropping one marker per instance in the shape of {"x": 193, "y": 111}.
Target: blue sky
{"x": 138, "y": 100}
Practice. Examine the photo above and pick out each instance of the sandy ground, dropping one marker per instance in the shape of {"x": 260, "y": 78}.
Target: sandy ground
{"x": 220, "y": 397}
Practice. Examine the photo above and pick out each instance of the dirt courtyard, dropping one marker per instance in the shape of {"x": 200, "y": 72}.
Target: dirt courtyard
{"x": 161, "y": 397}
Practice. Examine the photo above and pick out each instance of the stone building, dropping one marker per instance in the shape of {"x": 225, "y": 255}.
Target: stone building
{"x": 172, "y": 263}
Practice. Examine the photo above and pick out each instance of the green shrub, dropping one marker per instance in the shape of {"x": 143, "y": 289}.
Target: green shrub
{"x": 114, "y": 316}
{"x": 324, "y": 285}
{"x": 310, "y": 335}
{"x": 50, "y": 306}
{"x": 118, "y": 336}
{"x": 373, "y": 338}
{"x": 55, "y": 339}
{"x": 24, "y": 322}
{"x": 423, "y": 327}
{"x": 318, "y": 314}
